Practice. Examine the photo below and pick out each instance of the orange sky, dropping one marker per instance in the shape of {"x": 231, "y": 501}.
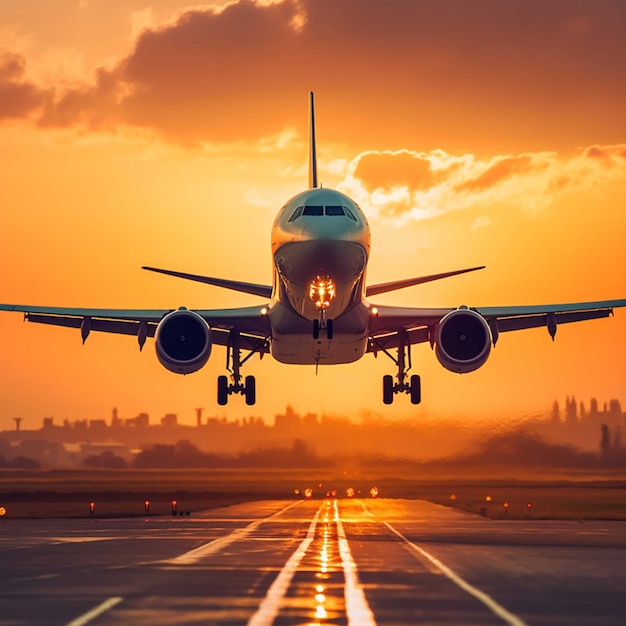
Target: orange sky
{"x": 480, "y": 132}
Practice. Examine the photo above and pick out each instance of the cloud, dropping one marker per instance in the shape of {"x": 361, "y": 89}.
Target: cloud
{"x": 19, "y": 98}
{"x": 427, "y": 185}
{"x": 241, "y": 71}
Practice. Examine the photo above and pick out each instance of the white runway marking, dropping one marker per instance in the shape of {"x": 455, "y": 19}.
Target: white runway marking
{"x": 193, "y": 556}
{"x": 486, "y": 599}
{"x": 95, "y": 612}
{"x": 269, "y": 607}
{"x": 357, "y": 608}
{"x": 358, "y": 612}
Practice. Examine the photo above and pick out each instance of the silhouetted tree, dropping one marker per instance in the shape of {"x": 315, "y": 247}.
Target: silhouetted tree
{"x": 570, "y": 411}
{"x": 24, "y": 462}
{"x": 605, "y": 442}
{"x": 105, "y": 460}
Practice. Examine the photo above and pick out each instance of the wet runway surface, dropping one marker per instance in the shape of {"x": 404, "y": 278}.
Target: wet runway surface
{"x": 358, "y": 562}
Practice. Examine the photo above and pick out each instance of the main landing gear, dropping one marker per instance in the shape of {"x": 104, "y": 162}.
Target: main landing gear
{"x": 413, "y": 387}
{"x": 247, "y": 388}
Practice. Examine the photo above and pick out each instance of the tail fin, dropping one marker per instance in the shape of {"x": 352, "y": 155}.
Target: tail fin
{"x": 312, "y": 146}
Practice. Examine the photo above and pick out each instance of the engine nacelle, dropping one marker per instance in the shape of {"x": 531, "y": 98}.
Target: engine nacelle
{"x": 463, "y": 341}
{"x": 183, "y": 341}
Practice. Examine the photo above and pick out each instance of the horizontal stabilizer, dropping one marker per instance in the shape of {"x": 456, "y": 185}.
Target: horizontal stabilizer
{"x": 374, "y": 290}
{"x": 264, "y": 291}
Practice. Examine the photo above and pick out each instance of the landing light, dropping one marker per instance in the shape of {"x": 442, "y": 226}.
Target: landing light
{"x": 264, "y": 311}
{"x": 322, "y": 291}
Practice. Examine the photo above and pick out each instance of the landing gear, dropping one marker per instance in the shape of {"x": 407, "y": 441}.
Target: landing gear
{"x": 323, "y": 323}
{"x": 413, "y": 387}
{"x": 247, "y": 388}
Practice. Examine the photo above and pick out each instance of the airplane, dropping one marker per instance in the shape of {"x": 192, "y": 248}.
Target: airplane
{"x": 317, "y": 311}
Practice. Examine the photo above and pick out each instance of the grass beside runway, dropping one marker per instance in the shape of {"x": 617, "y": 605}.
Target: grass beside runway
{"x": 68, "y": 493}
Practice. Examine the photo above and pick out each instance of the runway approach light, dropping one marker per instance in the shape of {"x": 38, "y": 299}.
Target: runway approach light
{"x": 374, "y": 492}
{"x": 453, "y": 496}
{"x": 350, "y": 492}
{"x": 92, "y": 508}
{"x": 529, "y": 507}
{"x": 488, "y": 499}
{"x": 308, "y": 492}
{"x": 506, "y": 507}
{"x": 146, "y": 506}
{"x": 173, "y": 507}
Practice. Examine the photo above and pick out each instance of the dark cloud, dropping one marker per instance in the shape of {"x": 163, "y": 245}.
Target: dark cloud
{"x": 393, "y": 73}
{"x": 18, "y": 97}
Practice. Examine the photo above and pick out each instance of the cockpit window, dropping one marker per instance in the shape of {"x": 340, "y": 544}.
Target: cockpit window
{"x": 296, "y": 214}
{"x": 334, "y": 209}
{"x": 349, "y": 213}
{"x": 318, "y": 209}
{"x": 313, "y": 209}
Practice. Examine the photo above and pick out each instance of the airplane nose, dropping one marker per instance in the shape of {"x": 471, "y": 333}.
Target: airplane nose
{"x": 329, "y": 230}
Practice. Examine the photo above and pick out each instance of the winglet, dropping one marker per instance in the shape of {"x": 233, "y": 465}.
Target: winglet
{"x": 312, "y": 146}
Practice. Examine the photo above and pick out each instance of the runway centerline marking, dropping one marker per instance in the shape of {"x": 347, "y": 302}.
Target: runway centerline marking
{"x": 357, "y": 608}
{"x": 270, "y": 605}
{"x": 193, "y": 556}
{"x": 95, "y": 612}
{"x": 485, "y": 598}
{"x": 358, "y": 612}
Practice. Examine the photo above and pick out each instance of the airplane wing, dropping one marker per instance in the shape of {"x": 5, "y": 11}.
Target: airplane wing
{"x": 250, "y": 322}
{"x": 263, "y": 291}
{"x": 374, "y": 290}
{"x": 419, "y": 323}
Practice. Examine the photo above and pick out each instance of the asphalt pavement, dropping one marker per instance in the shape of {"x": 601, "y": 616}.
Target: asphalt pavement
{"x": 335, "y": 561}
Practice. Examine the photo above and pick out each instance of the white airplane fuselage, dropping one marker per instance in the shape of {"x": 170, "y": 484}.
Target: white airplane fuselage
{"x": 320, "y": 249}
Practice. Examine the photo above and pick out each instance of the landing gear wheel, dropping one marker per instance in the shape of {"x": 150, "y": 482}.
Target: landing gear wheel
{"x": 316, "y": 329}
{"x": 388, "y": 389}
{"x": 329, "y": 329}
{"x": 222, "y": 390}
{"x": 250, "y": 390}
{"x": 415, "y": 389}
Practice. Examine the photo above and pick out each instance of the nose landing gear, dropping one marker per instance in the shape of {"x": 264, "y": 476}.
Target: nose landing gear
{"x": 323, "y": 323}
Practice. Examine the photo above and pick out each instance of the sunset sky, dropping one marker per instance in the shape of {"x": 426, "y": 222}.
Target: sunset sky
{"x": 157, "y": 133}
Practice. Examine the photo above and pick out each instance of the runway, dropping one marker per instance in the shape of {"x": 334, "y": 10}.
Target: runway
{"x": 346, "y": 561}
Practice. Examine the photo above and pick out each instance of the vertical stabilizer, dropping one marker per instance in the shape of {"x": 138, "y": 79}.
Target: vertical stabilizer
{"x": 312, "y": 146}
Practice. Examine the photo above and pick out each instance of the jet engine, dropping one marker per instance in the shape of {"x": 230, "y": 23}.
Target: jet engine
{"x": 463, "y": 341}
{"x": 183, "y": 342}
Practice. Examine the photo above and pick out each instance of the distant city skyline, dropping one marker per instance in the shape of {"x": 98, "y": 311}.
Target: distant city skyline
{"x": 68, "y": 443}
